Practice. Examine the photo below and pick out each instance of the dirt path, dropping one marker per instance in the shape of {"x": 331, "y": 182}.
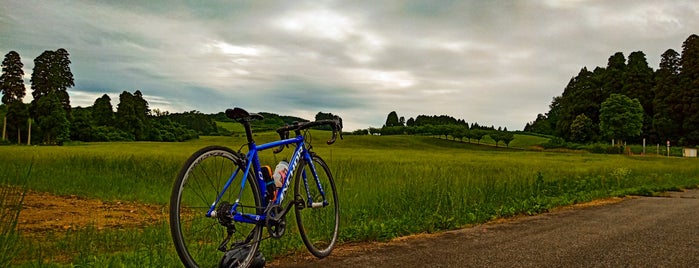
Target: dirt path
{"x": 43, "y": 212}
{"x": 633, "y": 232}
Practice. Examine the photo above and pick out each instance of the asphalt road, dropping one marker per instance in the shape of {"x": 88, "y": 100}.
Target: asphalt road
{"x": 636, "y": 232}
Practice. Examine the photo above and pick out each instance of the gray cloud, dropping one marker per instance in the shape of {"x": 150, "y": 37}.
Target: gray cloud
{"x": 493, "y": 62}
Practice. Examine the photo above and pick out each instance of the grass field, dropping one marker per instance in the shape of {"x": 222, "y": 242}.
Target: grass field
{"x": 234, "y": 127}
{"x": 389, "y": 186}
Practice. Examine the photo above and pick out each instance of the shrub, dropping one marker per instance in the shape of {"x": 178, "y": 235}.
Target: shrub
{"x": 553, "y": 143}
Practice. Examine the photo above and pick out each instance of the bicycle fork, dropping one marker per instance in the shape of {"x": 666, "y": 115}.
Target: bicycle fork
{"x": 316, "y": 179}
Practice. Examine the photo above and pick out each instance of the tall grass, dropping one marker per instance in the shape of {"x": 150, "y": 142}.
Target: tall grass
{"x": 389, "y": 197}
{"x": 12, "y": 191}
{"x": 389, "y": 186}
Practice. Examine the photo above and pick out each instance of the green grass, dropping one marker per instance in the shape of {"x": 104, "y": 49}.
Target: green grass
{"x": 12, "y": 191}
{"x": 233, "y": 127}
{"x": 389, "y": 186}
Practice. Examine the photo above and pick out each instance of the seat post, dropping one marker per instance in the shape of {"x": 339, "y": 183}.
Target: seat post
{"x": 248, "y": 131}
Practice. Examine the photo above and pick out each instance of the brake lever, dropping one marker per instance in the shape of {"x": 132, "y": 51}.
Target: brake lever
{"x": 337, "y": 127}
{"x": 338, "y": 120}
{"x": 334, "y": 137}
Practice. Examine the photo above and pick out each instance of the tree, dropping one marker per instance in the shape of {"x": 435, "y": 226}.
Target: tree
{"x": 3, "y": 114}
{"x": 52, "y": 119}
{"x": 392, "y": 120}
{"x": 621, "y": 117}
{"x": 12, "y": 89}
{"x": 460, "y": 132}
{"x": 669, "y": 96}
{"x": 689, "y": 86}
{"x": 442, "y": 130}
{"x": 435, "y": 120}
{"x": 141, "y": 111}
{"x": 476, "y": 134}
{"x": 81, "y": 127}
{"x": 614, "y": 74}
{"x": 638, "y": 84}
{"x": 410, "y": 122}
{"x": 17, "y": 116}
{"x": 63, "y": 76}
{"x": 132, "y": 114}
{"x": 52, "y": 73}
{"x": 361, "y": 132}
{"x": 541, "y": 125}
{"x": 667, "y": 102}
{"x": 103, "y": 112}
{"x": 126, "y": 113}
{"x": 204, "y": 125}
{"x": 11, "y": 82}
{"x": 507, "y": 137}
{"x": 582, "y": 129}
{"x": 582, "y": 95}
{"x": 496, "y": 136}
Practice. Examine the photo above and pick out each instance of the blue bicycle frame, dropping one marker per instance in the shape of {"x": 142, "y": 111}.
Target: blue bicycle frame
{"x": 252, "y": 163}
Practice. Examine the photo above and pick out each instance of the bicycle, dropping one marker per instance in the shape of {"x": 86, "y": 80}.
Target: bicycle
{"x": 223, "y": 196}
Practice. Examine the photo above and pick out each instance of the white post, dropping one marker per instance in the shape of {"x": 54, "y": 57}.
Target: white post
{"x": 29, "y": 133}
{"x": 644, "y": 147}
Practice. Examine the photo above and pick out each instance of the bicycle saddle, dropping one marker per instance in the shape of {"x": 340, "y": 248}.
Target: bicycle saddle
{"x": 239, "y": 114}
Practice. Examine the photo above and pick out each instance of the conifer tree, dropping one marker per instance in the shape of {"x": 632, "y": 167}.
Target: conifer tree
{"x": 13, "y": 91}
{"x": 689, "y": 85}
{"x": 52, "y": 74}
{"x": 667, "y": 103}
{"x": 638, "y": 84}
{"x": 102, "y": 111}
{"x": 52, "y": 77}
{"x": 11, "y": 80}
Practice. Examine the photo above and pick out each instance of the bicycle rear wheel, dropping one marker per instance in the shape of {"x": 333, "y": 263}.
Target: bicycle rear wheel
{"x": 318, "y": 218}
{"x": 201, "y": 179}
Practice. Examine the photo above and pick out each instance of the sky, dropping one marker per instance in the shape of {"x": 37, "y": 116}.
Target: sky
{"x": 496, "y": 63}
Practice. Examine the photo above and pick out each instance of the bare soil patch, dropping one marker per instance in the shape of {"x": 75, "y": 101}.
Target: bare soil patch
{"x": 42, "y": 212}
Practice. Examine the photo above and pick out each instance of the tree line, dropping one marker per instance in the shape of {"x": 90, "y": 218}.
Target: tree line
{"x": 628, "y": 100}
{"x": 55, "y": 121}
{"x": 439, "y": 125}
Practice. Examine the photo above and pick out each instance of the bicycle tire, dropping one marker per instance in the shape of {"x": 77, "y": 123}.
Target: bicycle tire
{"x": 318, "y": 226}
{"x": 201, "y": 179}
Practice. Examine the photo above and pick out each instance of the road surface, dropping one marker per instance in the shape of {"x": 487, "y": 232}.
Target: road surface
{"x": 635, "y": 232}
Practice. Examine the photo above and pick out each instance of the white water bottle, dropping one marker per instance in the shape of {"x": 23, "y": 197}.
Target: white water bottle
{"x": 280, "y": 173}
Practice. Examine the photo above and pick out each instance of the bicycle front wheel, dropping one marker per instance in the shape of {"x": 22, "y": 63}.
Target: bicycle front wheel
{"x": 200, "y": 181}
{"x": 318, "y": 212}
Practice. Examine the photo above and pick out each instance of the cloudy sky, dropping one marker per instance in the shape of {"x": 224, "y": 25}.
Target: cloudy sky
{"x": 492, "y": 62}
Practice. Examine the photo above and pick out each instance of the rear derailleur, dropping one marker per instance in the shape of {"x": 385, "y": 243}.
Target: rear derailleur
{"x": 226, "y": 219}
